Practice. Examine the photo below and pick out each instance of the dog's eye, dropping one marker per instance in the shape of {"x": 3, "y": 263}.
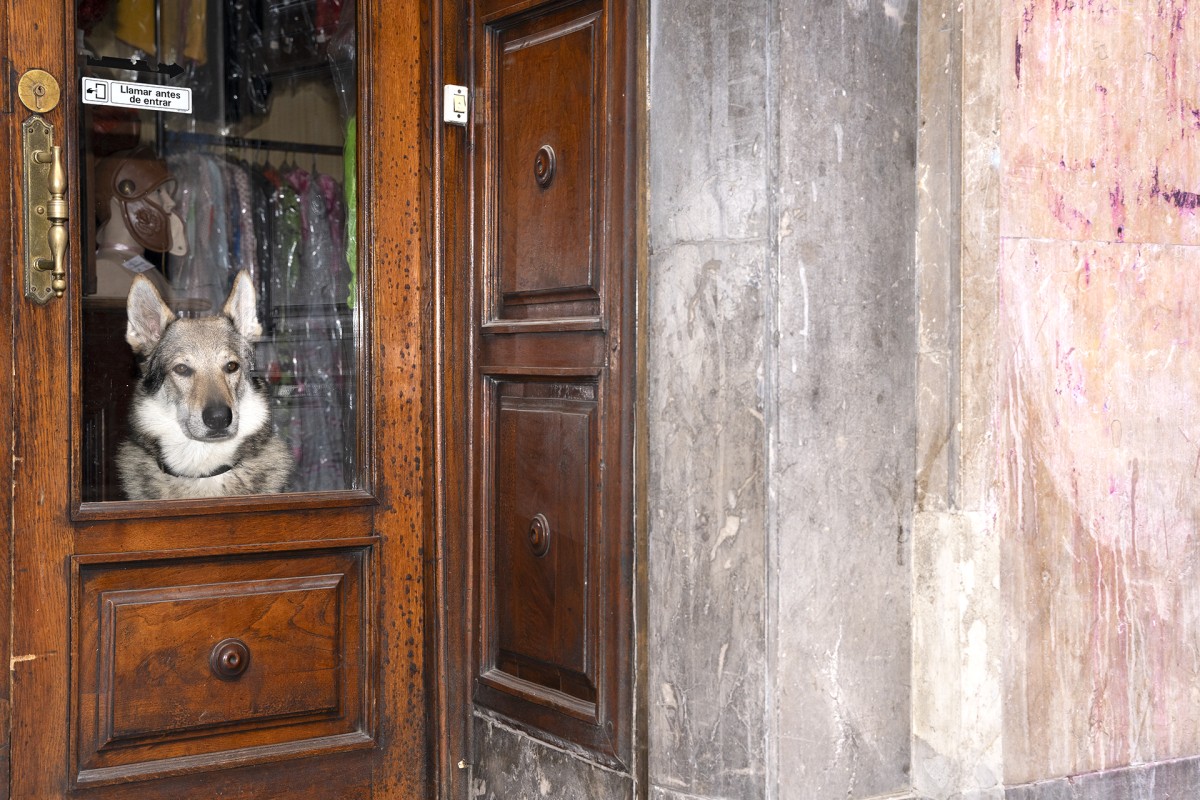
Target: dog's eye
{"x": 232, "y": 367}
{"x": 182, "y": 370}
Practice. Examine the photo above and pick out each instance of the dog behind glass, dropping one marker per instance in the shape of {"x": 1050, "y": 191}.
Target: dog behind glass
{"x": 200, "y": 422}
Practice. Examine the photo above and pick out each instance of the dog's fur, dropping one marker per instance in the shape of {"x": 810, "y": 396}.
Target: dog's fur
{"x": 200, "y": 423}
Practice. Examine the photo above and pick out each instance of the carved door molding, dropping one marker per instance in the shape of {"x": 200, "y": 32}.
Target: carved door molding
{"x": 265, "y": 646}
{"x": 539, "y": 320}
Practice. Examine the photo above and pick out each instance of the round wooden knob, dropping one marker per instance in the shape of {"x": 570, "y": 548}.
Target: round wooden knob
{"x": 539, "y": 535}
{"x": 229, "y": 659}
{"x": 543, "y": 165}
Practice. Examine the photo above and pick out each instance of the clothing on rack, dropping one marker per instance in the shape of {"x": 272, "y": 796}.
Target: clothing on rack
{"x": 183, "y": 28}
{"x": 247, "y": 82}
{"x": 184, "y": 31}
{"x": 287, "y": 227}
{"x": 326, "y": 16}
{"x": 135, "y": 24}
{"x": 350, "y": 177}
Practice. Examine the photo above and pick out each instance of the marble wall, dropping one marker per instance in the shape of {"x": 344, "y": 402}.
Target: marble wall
{"x": 511, "y": 765}
{"x": 1097, "y": 439}
{"x": 959, "y": 632}
{"x": 1055, "y": 623}
{"x": 710, "y": 303}
{"x": 781, "y": 398}
{"x": 841, "y": 392}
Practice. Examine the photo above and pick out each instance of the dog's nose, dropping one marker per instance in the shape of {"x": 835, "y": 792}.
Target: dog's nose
{"x": 217, "y": 416}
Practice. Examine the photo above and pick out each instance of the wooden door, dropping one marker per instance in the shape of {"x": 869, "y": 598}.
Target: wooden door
{"x": 540, "y": 319}
{"x": 267, "y": 645}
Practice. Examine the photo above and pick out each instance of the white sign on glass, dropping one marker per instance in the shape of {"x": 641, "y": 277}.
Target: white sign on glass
{"x": 150, "y": 96}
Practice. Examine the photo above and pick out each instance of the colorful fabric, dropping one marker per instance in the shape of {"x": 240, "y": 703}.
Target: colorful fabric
{"x": 350, "y": 184}
{"x": 307, "y": 352}
{"x": 135, "y": 24}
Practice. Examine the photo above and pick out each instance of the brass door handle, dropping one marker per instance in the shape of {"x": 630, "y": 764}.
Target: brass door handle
{"x": 56, "y": 212}
{"x": 46, "y": 212}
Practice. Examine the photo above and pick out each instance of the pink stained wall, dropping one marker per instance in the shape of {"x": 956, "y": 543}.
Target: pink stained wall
{"x": 1098, "y": 418}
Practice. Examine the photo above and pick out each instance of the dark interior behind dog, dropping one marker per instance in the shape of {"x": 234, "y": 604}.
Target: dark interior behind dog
{"x": 200, "y": 423}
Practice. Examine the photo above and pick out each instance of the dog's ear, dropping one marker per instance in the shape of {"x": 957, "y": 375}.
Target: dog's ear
{"x": 242, "y": 306}
{"x": 148, "y": 316}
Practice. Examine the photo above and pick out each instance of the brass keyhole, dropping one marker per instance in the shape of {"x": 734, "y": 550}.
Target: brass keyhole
{"x": 38, "y": 91}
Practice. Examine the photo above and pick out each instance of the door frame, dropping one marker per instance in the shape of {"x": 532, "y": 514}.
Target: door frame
{"x": 7, "y": 200}
{"x": 452, "y": 645}
{"x": 394, "y": 250}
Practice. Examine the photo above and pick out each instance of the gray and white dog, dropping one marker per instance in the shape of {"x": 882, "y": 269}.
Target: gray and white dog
{"x": 201, "y": 426}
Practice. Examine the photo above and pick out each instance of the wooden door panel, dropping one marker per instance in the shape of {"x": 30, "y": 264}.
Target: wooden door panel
{"x": 279, "y": 521}
{"x": 158, "y": 683}
{"x": 544, "y": 446}
{"x": 117, "y": 607}
{"x": 546, "y": 134}
{"x": 550, "y": 399}
{"x": 189, "y": 664}
{"x": 548, "y": 352}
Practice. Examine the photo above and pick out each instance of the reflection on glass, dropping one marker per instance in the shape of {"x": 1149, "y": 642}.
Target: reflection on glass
{"x": 218, "y": 142}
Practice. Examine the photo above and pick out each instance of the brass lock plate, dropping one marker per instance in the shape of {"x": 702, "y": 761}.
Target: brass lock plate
{"x": 39, "y": 91}
{"x": 37, "y": 136}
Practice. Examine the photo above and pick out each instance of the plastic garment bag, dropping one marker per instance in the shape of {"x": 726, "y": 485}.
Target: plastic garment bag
{"x": 202, "y": 276}
{"x": 290, "y": 232}
{"x": 313, "y": 407}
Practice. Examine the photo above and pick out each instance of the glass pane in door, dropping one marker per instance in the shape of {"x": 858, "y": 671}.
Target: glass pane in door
{"x": 219, "y": 321}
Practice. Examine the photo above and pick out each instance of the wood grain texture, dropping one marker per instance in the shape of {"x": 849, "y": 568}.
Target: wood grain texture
{"x": 396, "y": 114}
{"x": 453, "y": 292}
{"x": 39, "y": 655}
{"x": 274, "y": 524}
{"x": 542, "y": 456}
{"x": 545, "y": 75}
{"x": 148, "y": 698}
{"x": 550, "y": 403}
{"x": 388, "y": 517}
{"x": 7, "y": 122}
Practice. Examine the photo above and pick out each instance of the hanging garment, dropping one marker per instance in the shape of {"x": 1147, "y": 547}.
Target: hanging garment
{"x": 326, "y": 16}
{"x": 247, "y": 81}
{"x": 290, "y": 230}
{"x": 311, "y": 340}
{"x": 184, "y": 31}
{"x": 335, "y": 212}
{"x": 203, "y": 275}
{"x": 261, "y": 192}
{"x": 350, "y": 182}
{"x": 184, "y": 25}
{"x": 89, "y": 12}
{"x": 285, "y": 254}
{"x": 135, "y": 24}
{"x": 244, "y": 249}
{"x": 282, "y": 372}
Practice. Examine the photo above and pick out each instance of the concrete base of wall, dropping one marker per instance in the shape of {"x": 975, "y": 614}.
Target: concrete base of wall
{"x": 512, "y": 764}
